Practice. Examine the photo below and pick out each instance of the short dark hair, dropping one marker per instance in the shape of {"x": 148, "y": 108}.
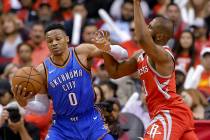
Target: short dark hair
{"x": 111, "y": 85}
{"x": 165, "y": 25}
{"x": 54, "y": 26}
{"x": 172, "y": 4}
{"x": 24, "y": 43}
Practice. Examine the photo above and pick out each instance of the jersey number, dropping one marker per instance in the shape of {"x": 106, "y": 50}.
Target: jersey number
{"x": 73, "y": 99}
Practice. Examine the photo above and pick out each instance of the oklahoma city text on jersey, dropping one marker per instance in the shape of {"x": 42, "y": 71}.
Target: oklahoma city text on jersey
{"x": 68, "y": 76}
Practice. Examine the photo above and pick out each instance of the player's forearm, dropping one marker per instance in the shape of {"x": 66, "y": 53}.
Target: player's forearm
{"x": 140, "y": 25}
{"x": 118, "y": 52}
{"x": 111, "y": 65}
{"x": 39, "y": 105}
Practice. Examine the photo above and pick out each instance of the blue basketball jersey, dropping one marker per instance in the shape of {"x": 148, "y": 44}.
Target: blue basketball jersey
{"x": 70, "y": 86}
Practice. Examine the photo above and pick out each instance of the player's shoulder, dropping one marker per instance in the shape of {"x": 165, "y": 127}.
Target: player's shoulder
{"x": 42, "y": 70}
{"x": 138, "y": 53}
{"x": 84, "y": 47}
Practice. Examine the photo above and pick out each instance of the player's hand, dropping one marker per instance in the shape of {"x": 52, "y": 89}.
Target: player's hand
{"x": 102, "y": 40}
{"x": 21, "y": 95}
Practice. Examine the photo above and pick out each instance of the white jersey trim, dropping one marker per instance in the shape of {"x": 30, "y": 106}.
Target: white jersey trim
{"x": 167, "y": 129}
{"x": 160, "y": 86}
{"x": 158, "y": 74}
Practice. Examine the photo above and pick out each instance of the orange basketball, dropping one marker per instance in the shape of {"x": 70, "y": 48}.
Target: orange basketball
{"x": 29, "y": 78}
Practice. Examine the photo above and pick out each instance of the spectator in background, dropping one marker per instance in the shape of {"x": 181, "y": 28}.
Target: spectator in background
{"x": 109, "y": 89}
{"x": 65, "y": 10}
{"x": 24, "y": 54}
{"x": 45, "y": 14}
{"x": 27, "y": 14}
{"x": 123, "y": 23}
{"x": 184, "y": 50}
{"x": 201, "y": 38}
{"x": 204, "y": 84}
{"x": 131, "y": 45}
{"x": 9, "y": 71}
{"x": 116, "y": 7}
{"x": 13, "y": 36}
{"x": 88, "y": 32}
{"x": 94, "y": 5}
{"x": 80, "y": 9}
{"x": 174, "y": 14}
{"x": 136, "y": 105}
{"x": 196, "y": 101}
{"x": 111, "y": 109}
{"x": 160, "y": 7}
{"x": 12, "y": 121}
{"x": 1, "y": 31}
{"x": 39, "y": 44}
{"x": 127, "y": 85}
{"x": 99, "y": 95}
{"x": 37, "y": 41}
{"x": 180, "y": 78}
{"x": 100, "y": 74}
{"x": 52, "y": 3}
{"x": 207, "y": 16}
{"x": 198, "y": 6}
{"x": 192, "y": 10}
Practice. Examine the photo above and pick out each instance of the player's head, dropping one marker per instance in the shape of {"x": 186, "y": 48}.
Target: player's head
{"x": 161, "y": 30}
{"x": 56, "y": 38}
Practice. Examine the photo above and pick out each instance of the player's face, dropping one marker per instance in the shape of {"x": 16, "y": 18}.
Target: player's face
{"x": 57, "y": 41}
{"x": 151, "y": 28}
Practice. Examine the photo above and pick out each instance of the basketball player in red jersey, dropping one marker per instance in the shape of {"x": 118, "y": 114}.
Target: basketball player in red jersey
{"x": 171, "y": 118}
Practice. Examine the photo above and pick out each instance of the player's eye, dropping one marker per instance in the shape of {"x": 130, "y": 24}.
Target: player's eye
{"x": 49, "y": 41}
{"x": 58, "y": 38}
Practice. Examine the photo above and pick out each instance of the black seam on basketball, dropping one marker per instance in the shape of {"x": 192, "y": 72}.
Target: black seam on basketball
{"x": 30, "y": 72}
{"x": 25, "y": 71}
{"x": 35, "y": 74}
{"x": 32, "y": 88}
{"x": 28, "y": 78}
{"x": 36, "y": 81}
{"x": 21, "y": 77}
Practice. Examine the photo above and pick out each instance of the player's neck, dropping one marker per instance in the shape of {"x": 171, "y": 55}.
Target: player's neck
{"x": 61, "y": 59}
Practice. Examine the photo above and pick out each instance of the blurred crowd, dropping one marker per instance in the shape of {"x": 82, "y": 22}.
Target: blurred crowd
{"x": 122, "y": 101}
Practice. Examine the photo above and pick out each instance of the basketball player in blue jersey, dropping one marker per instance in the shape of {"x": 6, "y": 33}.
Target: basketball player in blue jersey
{"x": 68, "y": 81}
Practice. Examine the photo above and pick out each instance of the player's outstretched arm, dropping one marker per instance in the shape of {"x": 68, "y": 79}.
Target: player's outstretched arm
{"x": 157, "y": 54}
{"x": 114, "y": 68}
{"x": 118, "y": 70}
{"x": 144, "y": 37}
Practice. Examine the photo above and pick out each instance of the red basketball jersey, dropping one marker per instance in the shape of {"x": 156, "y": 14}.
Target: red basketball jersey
{"x": 160, "y": 90}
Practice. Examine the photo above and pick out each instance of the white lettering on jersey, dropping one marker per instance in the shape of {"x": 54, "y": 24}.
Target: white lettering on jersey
{"x": 143, "y": 70}
{"x": 154, "y": 131}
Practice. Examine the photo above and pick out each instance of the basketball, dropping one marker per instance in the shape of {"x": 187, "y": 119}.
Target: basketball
{"x": 29, "y": 78}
